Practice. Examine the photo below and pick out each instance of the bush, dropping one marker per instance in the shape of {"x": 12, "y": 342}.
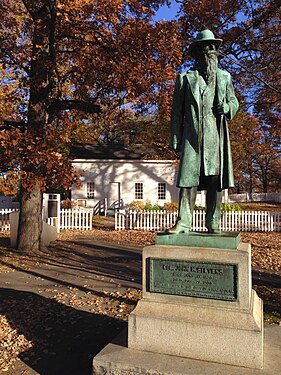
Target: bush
{"x": 68, "y": 204}
{"x": 171, "y": 206}
{"x": 150, "y": 207}
{"x": 141, "y": 206}
{"x": 136, "y": 206}
{"x": 230, "y": 207}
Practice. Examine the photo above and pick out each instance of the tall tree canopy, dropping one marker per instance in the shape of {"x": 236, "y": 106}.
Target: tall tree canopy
{"x": 63, "y": 61}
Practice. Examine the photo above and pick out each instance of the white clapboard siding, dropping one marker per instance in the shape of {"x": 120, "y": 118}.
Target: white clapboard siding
{"x": 255, "y": 221}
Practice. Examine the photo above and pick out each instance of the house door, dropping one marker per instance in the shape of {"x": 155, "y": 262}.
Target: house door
{"x": 114, "y": 195}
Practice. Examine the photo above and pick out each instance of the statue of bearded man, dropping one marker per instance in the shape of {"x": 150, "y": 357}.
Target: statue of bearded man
{"x": 203, "y": 102}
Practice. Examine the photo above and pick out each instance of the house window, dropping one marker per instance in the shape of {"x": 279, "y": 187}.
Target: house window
{"x": 161, "y": 190}
{"x": 90, "y": 190}
{"x": 138, "y": 190}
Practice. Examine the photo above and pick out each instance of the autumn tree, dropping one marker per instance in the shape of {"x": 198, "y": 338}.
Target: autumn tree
{"x": 267, "y": 164}
{"x": 256, "y": 159}
{"x": 242, "y": 136}
{"x": 69, "y": 61}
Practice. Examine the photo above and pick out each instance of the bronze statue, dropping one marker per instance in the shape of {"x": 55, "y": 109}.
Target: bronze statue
{"x": 203, "y": 102}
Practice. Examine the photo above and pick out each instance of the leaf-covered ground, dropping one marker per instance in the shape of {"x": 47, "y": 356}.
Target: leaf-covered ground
{"x": 260, "y": 206}
{"x": 60, "y": 308}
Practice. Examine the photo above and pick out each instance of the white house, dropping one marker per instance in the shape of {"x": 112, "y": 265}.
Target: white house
{"x": 120, "y": 175}
{"x": 123, "y": 175}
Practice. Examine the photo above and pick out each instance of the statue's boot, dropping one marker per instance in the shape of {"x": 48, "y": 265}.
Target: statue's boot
{"x": 176, "y": 229}
{"x": 187, "y": 197}
{"x": 213, "y": 230}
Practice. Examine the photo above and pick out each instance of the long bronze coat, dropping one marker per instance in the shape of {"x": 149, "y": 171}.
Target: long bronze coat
{"x": 186, "y": 129}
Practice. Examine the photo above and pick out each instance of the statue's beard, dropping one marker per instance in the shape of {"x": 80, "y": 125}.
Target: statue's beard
{"x": 207, "y": 66}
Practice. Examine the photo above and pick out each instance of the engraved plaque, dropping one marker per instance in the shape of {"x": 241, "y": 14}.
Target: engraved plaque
{"x": 189, "y": 278}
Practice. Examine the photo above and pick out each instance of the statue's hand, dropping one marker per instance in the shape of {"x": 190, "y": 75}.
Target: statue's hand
{"x": 176, "y": 147}
{"x": 223, "y": 108}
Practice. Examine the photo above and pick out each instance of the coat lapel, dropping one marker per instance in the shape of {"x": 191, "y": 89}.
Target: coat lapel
{"x": 193, "y": 79}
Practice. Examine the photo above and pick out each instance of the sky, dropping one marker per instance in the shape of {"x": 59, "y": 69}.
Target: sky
{"x": 167, "y": 13}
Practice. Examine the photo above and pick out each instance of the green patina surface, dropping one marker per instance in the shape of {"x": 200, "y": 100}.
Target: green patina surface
{"x": 197, "y": 279}
{"x": 224, "y": 240}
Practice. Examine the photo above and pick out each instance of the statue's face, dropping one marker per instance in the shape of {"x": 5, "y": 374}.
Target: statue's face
{"x": 206, "y": 57}
{"x": 204, "y": 50}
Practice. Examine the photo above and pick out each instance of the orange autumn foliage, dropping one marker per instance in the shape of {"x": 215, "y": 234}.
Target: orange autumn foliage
{"x": 66, "y": 63}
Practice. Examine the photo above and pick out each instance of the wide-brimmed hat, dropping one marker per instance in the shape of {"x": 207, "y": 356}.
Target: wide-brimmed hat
{"x": 205, "y": 36}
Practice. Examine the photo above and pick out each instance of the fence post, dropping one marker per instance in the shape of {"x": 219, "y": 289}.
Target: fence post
{"x": 116, "y": 218}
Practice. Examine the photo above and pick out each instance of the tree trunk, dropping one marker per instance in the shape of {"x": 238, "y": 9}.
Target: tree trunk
{"x": 251, "y": 183}
{"x": 238, "y": 187}
{"x": 42, "y": 82}
{"x": 30, "y": 221}
{"x": 265, "y": 185}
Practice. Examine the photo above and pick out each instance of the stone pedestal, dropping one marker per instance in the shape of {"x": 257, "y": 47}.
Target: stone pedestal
{"x": 198, "y": 303}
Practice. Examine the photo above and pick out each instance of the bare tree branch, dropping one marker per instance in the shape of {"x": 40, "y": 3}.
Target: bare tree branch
{"x": 250, "y": 72}
{"x": 59, "y": 105}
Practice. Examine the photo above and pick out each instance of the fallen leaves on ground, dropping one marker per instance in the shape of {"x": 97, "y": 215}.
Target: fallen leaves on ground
{"x": 12, "y": 343}
{"x": 28, "y": 327}
{"x": 33, "y": 326}
{"x": 266, "y": 249}
{"x": 137, "y": 237}
{"x": 5, "y": 252}
{"x": 113, "y": 304}
{"x": 260, "y": 206}
{"x": 266, "y": 246}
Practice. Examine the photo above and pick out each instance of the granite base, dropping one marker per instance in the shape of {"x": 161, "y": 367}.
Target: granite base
{"x": 215, "y": 330}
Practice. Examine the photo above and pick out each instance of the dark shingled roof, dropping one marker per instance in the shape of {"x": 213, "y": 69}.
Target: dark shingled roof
{"x": 119, "y": 152}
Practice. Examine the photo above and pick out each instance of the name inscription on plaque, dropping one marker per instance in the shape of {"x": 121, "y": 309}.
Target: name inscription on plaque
{"x": 189, "y": 278}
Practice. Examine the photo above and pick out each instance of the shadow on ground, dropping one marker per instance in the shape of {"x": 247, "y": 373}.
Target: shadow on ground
{"x": 268, "y": 286}
{"x": 86, "y": 265}
{"x": 120, "y": 262}
{"x": 64, "y": 340}
{"x": 266, "y": 278}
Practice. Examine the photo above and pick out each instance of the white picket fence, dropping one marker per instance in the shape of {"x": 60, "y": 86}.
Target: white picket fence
{"x": 81, "y": 219}
{"x": 261, "y": 221}
{"x": 5, "y": 218}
